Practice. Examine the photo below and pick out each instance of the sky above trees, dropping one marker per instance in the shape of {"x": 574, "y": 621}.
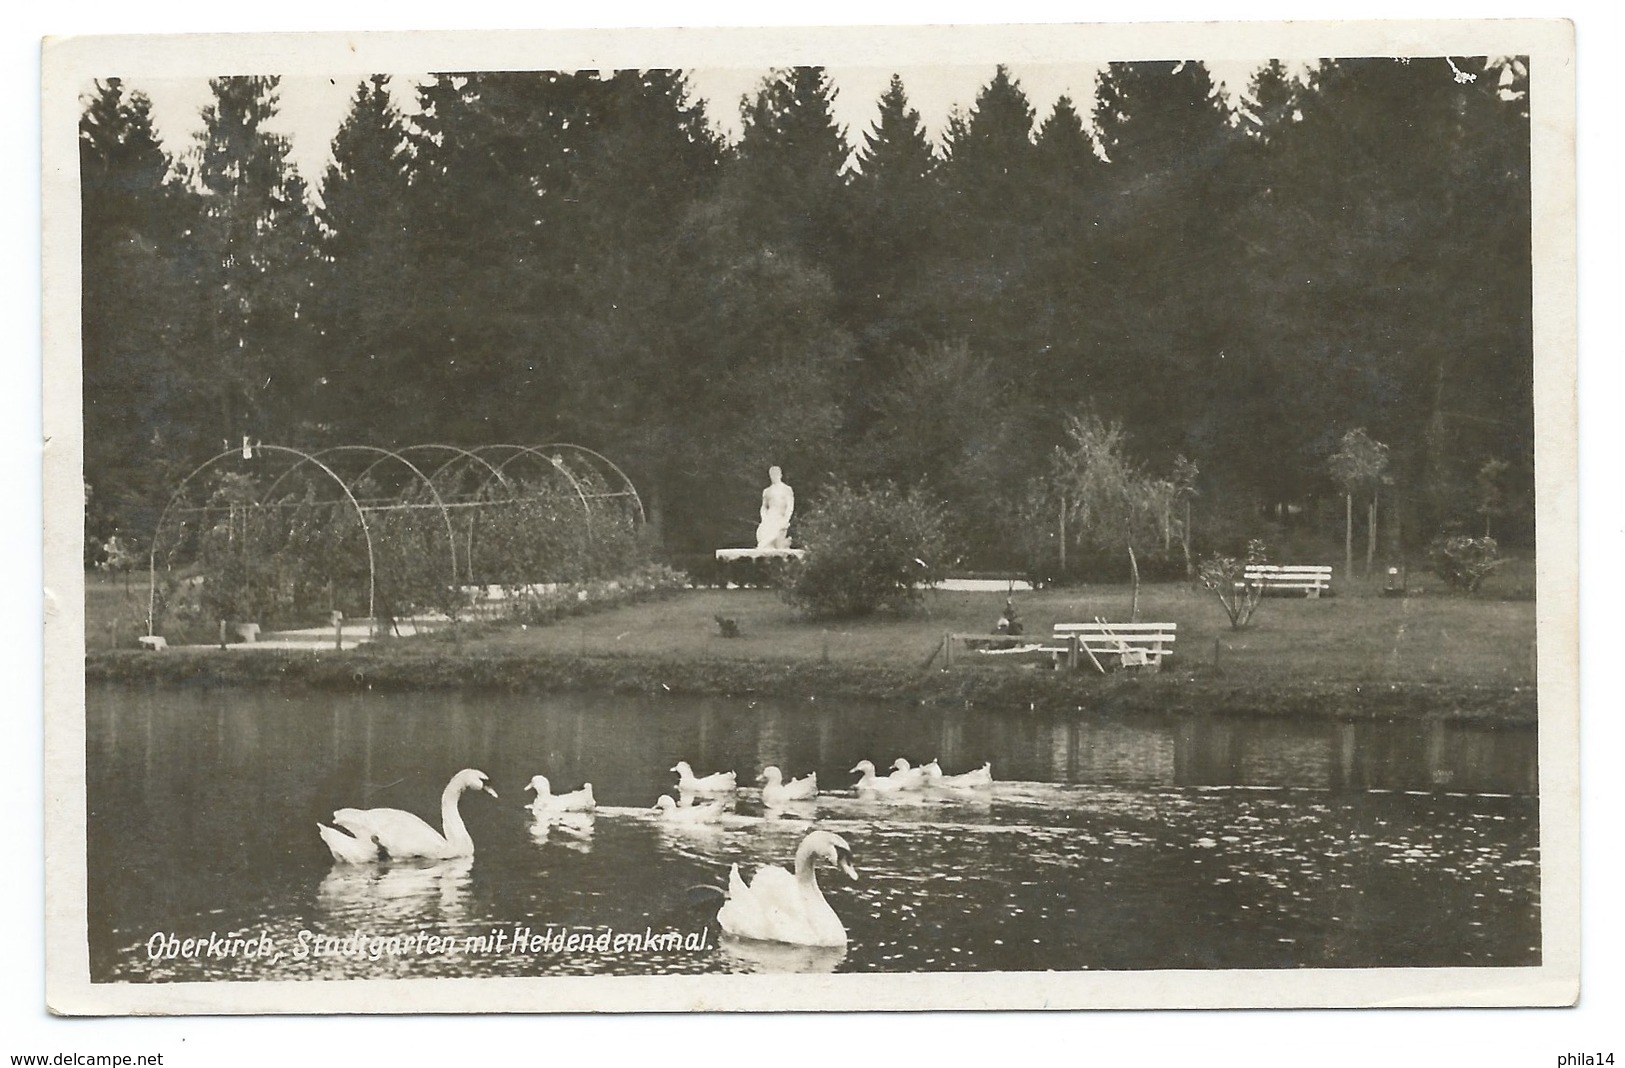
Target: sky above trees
{"x": 312, "y": 107}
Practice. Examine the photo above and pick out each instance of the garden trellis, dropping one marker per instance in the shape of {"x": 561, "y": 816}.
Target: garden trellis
{"x": 278, "y": 535}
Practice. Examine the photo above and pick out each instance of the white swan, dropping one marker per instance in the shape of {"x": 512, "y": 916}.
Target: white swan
{"x": 722, "y": 782}
{"x": 710, "y": 812}
{"x": 547, "y": 801}
{"x": 402, "y": 835}
{"x": 775, "y": 791}
{"x": 347, "y": 848}
{"x": 982, "y": 776}
{"x": 780, "y": 907}
{"x": 872, "y": 783}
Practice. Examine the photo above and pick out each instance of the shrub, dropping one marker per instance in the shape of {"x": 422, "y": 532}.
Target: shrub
{"x": 1227, "y": 578}
{"x": 867, "y": 550}
{"x": 1464, "y": 562}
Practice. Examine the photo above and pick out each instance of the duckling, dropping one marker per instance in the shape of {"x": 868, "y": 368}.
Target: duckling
{"x": 775, "y": 792}
{"x": 580, "y": 800}
{"x": 872, "y": 783}
{"x": 710, "y": 812}
{"x": 721, "y": 782}
{"x": 906, "y": 777}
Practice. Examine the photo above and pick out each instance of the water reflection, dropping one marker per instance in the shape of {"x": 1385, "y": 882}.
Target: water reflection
{"x": 1105, "y": 842}
{"x": 571, "y": 830}
{"x": 392, "y": 893}
{"x": 745, "y": 954}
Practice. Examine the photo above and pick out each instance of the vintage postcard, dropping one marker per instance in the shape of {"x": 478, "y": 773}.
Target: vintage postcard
{"x": 857, "y": 519}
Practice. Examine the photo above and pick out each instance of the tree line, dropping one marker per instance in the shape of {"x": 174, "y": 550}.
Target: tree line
{"x": 1235, "y": 284}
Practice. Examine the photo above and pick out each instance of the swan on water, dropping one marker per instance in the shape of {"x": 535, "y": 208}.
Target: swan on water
{"x": 775, "y": 791}
{"x": 710, "y": 812}
{"x": 547, "y": 801}
{"x": 347, "y": 848}
{"x": 780, "y": 907}
{"x": 722, "y": 782}
{"x": 402, "y": 835}
{"x": 872, "y": 783}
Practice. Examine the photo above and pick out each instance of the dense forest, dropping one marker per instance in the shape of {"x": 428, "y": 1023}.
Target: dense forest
{"x": 1226, "y": 286}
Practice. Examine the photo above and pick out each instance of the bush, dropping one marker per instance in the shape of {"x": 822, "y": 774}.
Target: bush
{"x": 867, "y": 550}
{"x": 1227, "y": 578}
{"x": 1464, "y": 562}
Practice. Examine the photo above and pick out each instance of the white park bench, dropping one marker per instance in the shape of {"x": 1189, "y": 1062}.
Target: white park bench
{"x": 1121, "y": 645}
{"x": 1105, "y": 646}
{"x": 1308, "y": 579}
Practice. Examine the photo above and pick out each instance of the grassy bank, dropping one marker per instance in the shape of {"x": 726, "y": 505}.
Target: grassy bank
{"x": 1350, "y": 656}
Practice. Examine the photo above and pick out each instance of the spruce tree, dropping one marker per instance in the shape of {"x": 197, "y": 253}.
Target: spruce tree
{"x": 254, "y": 240}
{"x": 1066, "y": 154}
{"x": 990, "y": 152}
{"x": 789, "y": 171}
{"x": 896, "y": 213}
{"x": 896, "y": 153}
{"x": 1164, "y": 247}
{"x": 364, "y": 386}
{"x": 134, "y": 319}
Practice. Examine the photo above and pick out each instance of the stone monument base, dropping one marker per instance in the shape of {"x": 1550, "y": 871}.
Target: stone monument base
{"x": 760, "y": 554}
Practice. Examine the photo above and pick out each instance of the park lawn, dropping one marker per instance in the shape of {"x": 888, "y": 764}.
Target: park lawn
{"x": 1357, "y": 637}
{"x": 115, "y": 608}
{"x": 1418, "y": 639}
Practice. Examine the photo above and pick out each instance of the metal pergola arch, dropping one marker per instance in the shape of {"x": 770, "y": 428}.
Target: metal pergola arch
{"x": 246, "y": 453}
{"x": 472, "y": 480}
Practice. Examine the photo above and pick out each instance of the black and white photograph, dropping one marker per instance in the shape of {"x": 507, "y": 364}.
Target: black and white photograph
{"x": 856, "y": 519}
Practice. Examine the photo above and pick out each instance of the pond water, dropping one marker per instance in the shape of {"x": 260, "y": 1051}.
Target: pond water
{"x": 1106, "y": 843}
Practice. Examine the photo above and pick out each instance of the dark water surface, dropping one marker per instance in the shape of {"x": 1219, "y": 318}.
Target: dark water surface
{"x": 1107, "y": 843}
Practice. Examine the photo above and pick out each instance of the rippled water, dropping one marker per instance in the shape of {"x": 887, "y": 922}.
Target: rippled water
{"x": 1148, "y": 842}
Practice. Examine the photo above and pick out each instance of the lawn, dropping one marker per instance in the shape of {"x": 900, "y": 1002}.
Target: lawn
{"x": 1428, "y": 638}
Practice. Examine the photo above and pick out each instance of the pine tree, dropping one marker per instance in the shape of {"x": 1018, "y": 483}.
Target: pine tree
{"x": 986, "y": 280}
{"x": 361, "y": 312}
{"x": 791, "y": 159}
{"x": 896, "y": 211}
{"x": 647, "y": 159}
{"x": 1272, "y": 100}
{"x": 1066, "y": 154}
{"x": 255, "y": 240}
{"x": 896, "y": 153}
{"x": 1158, "y": 119}
{"x": 1164, "y": 247}
{"x": 990, "y": 151}
{"x": 133, "y": 313}
{"x": 492, "y": 155}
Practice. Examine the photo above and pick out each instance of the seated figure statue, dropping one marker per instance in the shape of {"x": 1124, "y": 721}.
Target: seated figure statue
{"x": 778, "y": 504}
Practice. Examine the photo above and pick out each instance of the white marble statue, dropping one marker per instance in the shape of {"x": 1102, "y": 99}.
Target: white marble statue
{"x": 778, "y": 505}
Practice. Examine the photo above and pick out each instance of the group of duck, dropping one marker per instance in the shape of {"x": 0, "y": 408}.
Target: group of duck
{"x": 775, "y": 906}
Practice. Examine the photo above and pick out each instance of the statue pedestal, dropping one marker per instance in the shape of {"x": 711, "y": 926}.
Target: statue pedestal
{"x": 726, "y": 555}
{"x": 753, "y": 568}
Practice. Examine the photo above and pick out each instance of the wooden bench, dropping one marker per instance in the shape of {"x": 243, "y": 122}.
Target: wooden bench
{"x": 1105, "y": 646}
{"x": 1308, "y": 579}
{"x": 1109, "y": 646}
